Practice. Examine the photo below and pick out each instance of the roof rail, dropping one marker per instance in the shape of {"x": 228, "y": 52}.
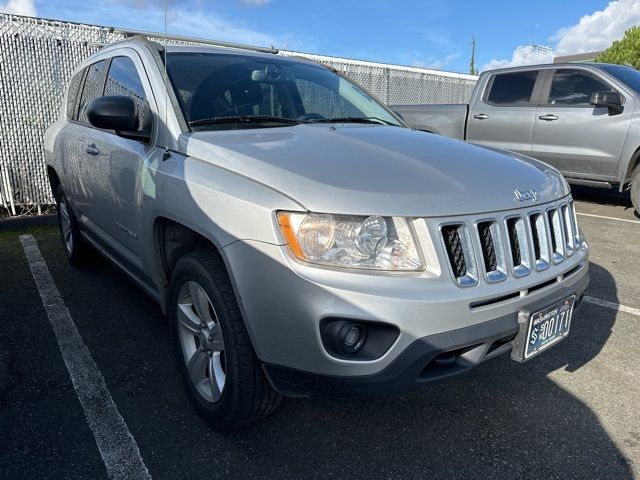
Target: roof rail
{"x": 182, "y": 38}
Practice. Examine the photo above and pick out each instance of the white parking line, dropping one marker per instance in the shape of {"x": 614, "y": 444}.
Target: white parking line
{"x": 607, "y": 218}
{"x": 117, "y": 446}
{"x": 612, "y": 306}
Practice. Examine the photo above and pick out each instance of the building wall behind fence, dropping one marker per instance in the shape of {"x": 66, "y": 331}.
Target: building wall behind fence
{"x": 37, "y": 57}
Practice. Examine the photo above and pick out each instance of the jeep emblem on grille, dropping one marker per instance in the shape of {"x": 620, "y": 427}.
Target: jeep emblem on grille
{"x": 530, "y": 194}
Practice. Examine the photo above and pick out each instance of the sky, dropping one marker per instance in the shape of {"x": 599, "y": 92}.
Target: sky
{"x": 433, "y": 34}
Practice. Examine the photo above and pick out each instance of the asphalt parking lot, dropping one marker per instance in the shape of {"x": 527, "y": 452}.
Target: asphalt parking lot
{"x": 571, "y": 413}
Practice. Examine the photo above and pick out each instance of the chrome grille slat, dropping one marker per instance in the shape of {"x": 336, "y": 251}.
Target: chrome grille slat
{"x": 519, "y": 245}
{"x": 540, "y": 239}
{"x": 459, "y": 247}
{"x": 492, "y": 249}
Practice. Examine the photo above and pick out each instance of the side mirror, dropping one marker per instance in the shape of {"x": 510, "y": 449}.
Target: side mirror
{"x": 610, "y": 100}
{"x": 117, "y": 113}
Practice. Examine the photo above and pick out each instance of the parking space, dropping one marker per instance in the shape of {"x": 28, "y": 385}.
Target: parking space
{"x": 571, "y": 413}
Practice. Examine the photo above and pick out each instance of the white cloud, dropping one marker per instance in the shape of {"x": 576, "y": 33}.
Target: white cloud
{"x": 19, "y": 7}
{"x": 592, "y": 32}
{"x": 201, "y": 24}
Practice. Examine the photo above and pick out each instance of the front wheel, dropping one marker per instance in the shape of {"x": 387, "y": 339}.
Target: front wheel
{"x": 224, "y": 379}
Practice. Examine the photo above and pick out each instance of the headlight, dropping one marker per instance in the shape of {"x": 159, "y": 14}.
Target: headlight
{"x": 373, "y": 242}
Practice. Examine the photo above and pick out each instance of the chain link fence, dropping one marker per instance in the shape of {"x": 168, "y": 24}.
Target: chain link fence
{"x": 37, "y": 57}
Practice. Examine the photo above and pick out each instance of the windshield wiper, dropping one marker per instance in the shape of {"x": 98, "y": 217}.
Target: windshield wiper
{"x": 374, "y": 120}
{"x": 242, "y": 119}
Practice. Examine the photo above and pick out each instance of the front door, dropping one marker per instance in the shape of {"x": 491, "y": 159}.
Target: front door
{"x": 580, "y": 140}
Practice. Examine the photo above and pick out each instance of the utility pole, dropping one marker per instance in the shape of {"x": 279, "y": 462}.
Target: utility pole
{"x": 472, "y": 65}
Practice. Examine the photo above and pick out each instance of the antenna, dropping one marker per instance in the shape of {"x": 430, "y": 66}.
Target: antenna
{"x": 539, "y": 48}
{"x": 167, "y": 153}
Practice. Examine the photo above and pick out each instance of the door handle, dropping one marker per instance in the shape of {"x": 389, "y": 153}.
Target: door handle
{"x": 549, "y": 117}
{"x": 92, "y": 149}
{"x": 481, "y": 116}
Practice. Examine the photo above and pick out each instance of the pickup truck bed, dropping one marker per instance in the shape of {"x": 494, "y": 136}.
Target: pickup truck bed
{"x": 449, "y": 120}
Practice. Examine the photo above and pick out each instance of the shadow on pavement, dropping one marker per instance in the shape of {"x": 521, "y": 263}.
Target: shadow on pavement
{"x": 601, "y": 196}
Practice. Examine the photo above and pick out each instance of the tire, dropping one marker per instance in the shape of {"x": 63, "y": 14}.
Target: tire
{"x": 237, "y": 393}
{"x": 74, "y": 246}
{"x": 635, "y": 189}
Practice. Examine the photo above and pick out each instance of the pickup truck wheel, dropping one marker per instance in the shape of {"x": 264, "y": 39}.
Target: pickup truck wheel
{"x": 635, "y": 189}
{"x": 217, "y": 363}
{"x": 72, "y": 243}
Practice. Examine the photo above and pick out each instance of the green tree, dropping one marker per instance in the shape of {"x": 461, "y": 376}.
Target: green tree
{"x": 625, "y": 51}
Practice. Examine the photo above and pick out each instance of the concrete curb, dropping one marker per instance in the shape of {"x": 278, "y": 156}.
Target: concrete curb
{"x": 21, "y": 223}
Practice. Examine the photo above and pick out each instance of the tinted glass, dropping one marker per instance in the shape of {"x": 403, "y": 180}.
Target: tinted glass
{"x": 627, "y": 75}
{"x": 574, "y": 87}
{"x": 212, "y": 85}
{"x": 92, "y": 88}
{"x": 512, "y": 88}
{"x": 123, "y": 79}
{"x": 72, "y": 94}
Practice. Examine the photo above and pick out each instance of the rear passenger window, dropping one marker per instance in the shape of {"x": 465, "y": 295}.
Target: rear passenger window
{"x": 72, "y": 94}
{"x": 574, "y": 87}
{"x": 123, "y": 79}
{"x": 92, "y": 88}
{"x": 512, "y": 88}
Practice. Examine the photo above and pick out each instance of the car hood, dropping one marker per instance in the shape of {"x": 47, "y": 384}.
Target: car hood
{"x": 367, "y": 169}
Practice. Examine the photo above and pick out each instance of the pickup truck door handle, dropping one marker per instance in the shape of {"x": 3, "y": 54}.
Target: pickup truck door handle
{"x": 92, "y": 149}
{"x": 481, "y": 116}
{"x": 548, "y": 117}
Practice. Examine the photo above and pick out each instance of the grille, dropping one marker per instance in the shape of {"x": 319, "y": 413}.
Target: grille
{"x": 515, "y": 245}
{"x": 453, "y": 245}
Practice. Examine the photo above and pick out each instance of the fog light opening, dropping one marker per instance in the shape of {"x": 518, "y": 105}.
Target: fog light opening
{"x": 352, "y": 337}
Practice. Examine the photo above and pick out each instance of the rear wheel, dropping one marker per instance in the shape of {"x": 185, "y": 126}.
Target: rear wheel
{"x": 218, "y": 365}
{"x": 635, "y": 189}
{"x": 74, "y": 246}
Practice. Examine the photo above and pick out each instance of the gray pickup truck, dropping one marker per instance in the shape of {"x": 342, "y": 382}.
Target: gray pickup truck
{"x": 300, "y": 238}
{"x": 583, "y": 119}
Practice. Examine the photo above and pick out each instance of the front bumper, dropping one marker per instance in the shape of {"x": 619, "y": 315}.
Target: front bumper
{"x": 430, "y": 358}
{"x": 443, "y": 329}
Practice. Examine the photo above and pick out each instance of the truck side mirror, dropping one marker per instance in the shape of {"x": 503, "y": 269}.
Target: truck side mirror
{"x": 610, "y": 100}
{"x": 117, "y": 113}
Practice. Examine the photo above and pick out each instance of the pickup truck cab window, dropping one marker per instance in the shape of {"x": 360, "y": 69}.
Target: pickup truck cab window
{"x": 515, "y": 88}
{"x": 574, "y": 87}
{"x": 92, "y": 89}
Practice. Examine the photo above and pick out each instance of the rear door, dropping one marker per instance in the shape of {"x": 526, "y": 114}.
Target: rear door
{"x": 580, "y": 140}
{"x": 502, "y": 116}
{"x": 78, "y": 162}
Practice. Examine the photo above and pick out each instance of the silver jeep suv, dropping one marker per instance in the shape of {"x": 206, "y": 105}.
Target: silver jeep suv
{"x": 301, "y": 239}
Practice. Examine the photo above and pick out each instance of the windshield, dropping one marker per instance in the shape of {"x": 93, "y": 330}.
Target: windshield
{"x": 627, "y": 75}
{"x": 225, "y": 91}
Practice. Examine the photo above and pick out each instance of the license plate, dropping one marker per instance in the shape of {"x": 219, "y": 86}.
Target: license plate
{"x": 548, "y": 326}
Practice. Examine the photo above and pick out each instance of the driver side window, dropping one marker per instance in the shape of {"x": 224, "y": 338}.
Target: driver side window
{"x": 575, "y": 87}
{"x": 123, "y": 79}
